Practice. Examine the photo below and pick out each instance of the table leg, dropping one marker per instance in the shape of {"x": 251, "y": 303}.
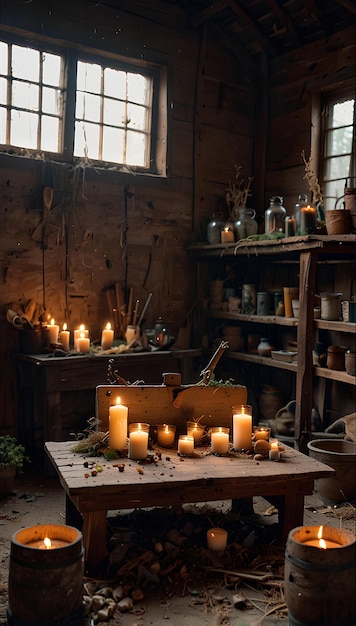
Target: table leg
{"x": 291, "y": 514}
{"x": 94, "y": 536}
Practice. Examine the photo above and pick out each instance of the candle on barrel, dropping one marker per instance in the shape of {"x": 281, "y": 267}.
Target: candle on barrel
{"x": 47, "y": 544}
{"x": 242, "y": 427}
{"x": 219, "y": 440}
{"x": 320, "y": 542}
{"x": 64, "y": 337}
{"x": 185, "y": 445}
{"x": 307, "y": 220}
{"x": 52, "y": 332}
{"x": 107, "y": 337}
{"x": 138, "y": 441}
{"x": 77, "y": 334}
{"x": 83, "y": 343}
{"x": 118, "y": 425}
{"x": 216, "y": 539}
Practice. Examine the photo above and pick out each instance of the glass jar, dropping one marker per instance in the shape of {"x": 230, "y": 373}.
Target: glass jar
{"x": 214, "y": 228}
{"x": 302, "y": 201}
{"x": 275, "y": 216}
{"x": 245, "y": 225}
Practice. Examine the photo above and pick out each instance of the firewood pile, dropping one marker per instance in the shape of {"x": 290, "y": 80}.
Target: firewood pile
{"x": 166, "y": 550}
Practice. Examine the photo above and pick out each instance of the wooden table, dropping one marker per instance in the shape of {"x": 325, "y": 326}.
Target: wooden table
{"x": 44, "y": 381}
{"x": 173, "y": 481}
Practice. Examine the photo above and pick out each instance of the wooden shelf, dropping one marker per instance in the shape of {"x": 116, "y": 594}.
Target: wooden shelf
{"x": 343, "y": 327}
{"x": 256, "y": 319}
{"x": 261, "y": 360}
{"x": 341, "y": 376}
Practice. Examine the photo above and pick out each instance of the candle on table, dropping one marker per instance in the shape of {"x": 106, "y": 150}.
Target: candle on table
{"x": 52, "y": 332}
{"x": 307, "y": 220}
{"x": 77, "y": 333}
{"x": 196, "y": 430}
{"x": 83, "y": 343}
{"x": 166, "y": 435}
{"x": 64, "y": 338}
{"x": 185, "y": 445}
{"x": 118, "y": 425}
{"x": 47, "y": 544}
{"x": 242, "y": 427}
{"x": 216, "y": 539}
{"x": 138, "y": 441}
{"x": 220, "y": 440}
{"x": 107, "y": 337}
{"x": 227, "y": 235}
{"x": 261, "y": 432}
{"x": 274, "y": 453}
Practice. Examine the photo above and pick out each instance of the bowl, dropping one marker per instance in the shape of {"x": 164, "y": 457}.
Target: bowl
{"x": 284, "y": 355}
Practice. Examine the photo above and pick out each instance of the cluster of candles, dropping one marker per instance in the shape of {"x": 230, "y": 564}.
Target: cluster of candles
{"x": 81, "y": 337}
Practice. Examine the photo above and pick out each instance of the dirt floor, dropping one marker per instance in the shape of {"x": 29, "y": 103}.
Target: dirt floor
{"x": 204, "y": 601}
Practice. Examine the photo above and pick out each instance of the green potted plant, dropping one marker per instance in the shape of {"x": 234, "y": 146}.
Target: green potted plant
{"x": 12, "y": 459}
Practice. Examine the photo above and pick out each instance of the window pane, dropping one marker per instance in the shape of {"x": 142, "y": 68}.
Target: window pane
{"x": 49, "y": 134}
{"x": 50, "y": 100}
{"x": 135, "y": 151}
{"x": 342, "y": 114}
{"x": 115, "y": 83}
{"x": 114, "y": 111}
{"x": 25, "y": 63}
{"x": 2, "y": 125}
{"x": 86, "y": 140}
{"x": 89, "y": 77}
{"x": 88, "y": 107}
{"x": 113, "y": 144}
{"x": 25, "y": 95}
{"x": 137, "y": 88}
{"x": 3, "y": 57}
{"x": 337, "y": 168}
{"x": 136, "y": 116}
{"x": 333, "y": 191}
{"x": 51, "y": 69}
{"x": 24, "y": 129}
{"x": 3, "y": 88}
{"x": 339, "y": 141}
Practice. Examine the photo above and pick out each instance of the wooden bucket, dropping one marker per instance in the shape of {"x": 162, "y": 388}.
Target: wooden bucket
{"x": 46, "y": 585}
{"x": 319, "y": 584}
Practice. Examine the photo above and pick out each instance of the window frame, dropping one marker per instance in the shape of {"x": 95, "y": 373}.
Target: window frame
{"x": 71, "y": 53}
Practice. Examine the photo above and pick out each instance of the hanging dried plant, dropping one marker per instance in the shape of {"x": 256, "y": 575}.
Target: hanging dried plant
{"x": 312, "y": 180}
{"x": 238, "y": 192}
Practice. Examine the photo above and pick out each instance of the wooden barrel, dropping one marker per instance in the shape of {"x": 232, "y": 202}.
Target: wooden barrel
{"x": 46, "y": 585}
{"x": 319, "y": 583}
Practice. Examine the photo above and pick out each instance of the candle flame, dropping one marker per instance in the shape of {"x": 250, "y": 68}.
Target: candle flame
{"x": 47, "y": 543}
{"x": 64, "y": 326}
{"x": 82, "y": 327}
{"x": 82, "y": 335}
{"x": 118, "y": 400}
{"x": 108, "y": 326}
{"x": 322, "y": 543}
{"x": 52, "y": 322}
{"x": 226, "y": 229}
{"x": 166, "y": 428}
{"x": 243, "y": 410}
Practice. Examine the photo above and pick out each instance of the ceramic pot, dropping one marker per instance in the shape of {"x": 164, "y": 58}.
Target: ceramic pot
{"x": 341, "y": 456}
{"x": 264, "y": 348}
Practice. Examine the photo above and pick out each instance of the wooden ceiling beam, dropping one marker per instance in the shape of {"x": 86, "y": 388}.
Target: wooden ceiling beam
{"x": 284, "y": 19}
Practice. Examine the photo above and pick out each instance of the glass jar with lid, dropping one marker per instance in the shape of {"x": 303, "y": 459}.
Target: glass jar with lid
{"x": 275, "y": 216}
{"x": 245, "y": 224}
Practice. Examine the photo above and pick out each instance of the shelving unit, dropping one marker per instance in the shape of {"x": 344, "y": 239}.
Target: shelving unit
{"x": 303, "y": 256}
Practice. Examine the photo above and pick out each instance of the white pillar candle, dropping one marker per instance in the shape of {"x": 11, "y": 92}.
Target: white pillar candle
{"x": 52, "y": 332}
{"x": 219, "y": 441}
{"x": 185, "y": 445}
{"x": 216, "y": 539}
{"x": 166, "y": 434}
{"x": 242, "y": 427}
{"x": 227, "y": 236}
{"x": 138, "y": 443}
{"x": 107, "y": 337}
{"x": 64, "y": 338}
{"x": 77, "y": 333}
{"x": 274, "y": 453}
{"x": 83, "y": 344}
{"x": 118, "y": 425}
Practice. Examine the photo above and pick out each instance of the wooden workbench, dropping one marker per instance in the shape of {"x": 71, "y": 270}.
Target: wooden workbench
{"x": 173, "y": 481}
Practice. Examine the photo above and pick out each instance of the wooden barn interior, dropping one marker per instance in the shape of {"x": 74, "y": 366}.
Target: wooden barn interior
{"x": 241, "y": 92}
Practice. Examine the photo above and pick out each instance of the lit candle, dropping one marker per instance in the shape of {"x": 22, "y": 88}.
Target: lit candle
{"x": 261, "y": 432}
{"x": 319, "y": 542}
{"x": 196, "y": 430}
{"x": 138, "y": 443}
{"x": 166, "y": 434}
{"x": 242, "y": 427}
{"x": 307, "y": 220}
{"x": 83, "y": 343}
{"x": 64, "y": 337}
{"x": 118, "y": 425}
{"x": 274, "y": 453}
{"x": 77, "y": 333}
{"x": 216, "y": 539}
{"x": 107, "y": 337}
{"x": 47, "y": 544}
{"x": 227, "y": 235}
{"x": 185, "y": 445}
{"x": 219, "y": 440}
{"x": 52, "y": 332}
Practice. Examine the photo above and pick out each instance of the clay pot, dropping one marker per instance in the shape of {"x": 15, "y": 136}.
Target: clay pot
{"x": 264, "y": 348}
{"x": 338, "y": 221}
{"x": 341, "y": 456}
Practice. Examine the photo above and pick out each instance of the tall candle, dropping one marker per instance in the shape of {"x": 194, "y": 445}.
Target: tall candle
{"x": 77, "y": 333}
{"x": 52, "y": 332}
{"x": 219, "y": 440}
{"x": 216, "y": 539}
{"x": 83, "y": 343}
{"x": 64, "y": 337}
{"x": 118, "y": 425}
{"x": 242, "y": 427}
{"x": 227, "y": 235}
{"x": 307, "y": 220}
{"x": 107, "y": 337}
{"x": 185, "y": 445}
{"x": 138, "y": 443}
